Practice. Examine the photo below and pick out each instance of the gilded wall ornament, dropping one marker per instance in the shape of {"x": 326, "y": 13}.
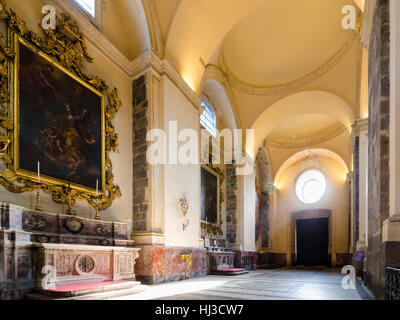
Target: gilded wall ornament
{"x": 214, "y": 229}
{"x": 66, "y": 45}
{"x": 184, "y": 206}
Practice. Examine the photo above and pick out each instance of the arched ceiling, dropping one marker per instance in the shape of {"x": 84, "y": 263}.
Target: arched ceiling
{"x": 166, "y": 12}
{"x": 196, "y": 31}
{"x": 305, "y": 129}
{"x": 260, "y": 48}
{"x": 297, "y": 105}
{"x": 124, "y": 24}
{"x": 282, "y": 41}
{"x": 309, "y": 154}
{"x": 219, "y": 99}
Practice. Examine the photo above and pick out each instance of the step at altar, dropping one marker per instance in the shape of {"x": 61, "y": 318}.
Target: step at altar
{"x": 90, "y": 291}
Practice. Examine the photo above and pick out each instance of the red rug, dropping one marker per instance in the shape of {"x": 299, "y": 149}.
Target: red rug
{"x": 86, "y": 286}
{"x": 232, "y": 270}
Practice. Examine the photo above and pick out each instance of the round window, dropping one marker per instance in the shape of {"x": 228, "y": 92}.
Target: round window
{"x": 311, "y": 186}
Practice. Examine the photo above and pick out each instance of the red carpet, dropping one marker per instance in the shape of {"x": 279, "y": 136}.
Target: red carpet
{"x": 87, "y": 286}
{"x": 232, "y": 270}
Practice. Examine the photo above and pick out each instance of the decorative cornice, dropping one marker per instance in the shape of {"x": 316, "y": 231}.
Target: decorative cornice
{"x": 368, "y": 21}
{"x": 361, "y": 124}
{"x": 307, "y": 143}
{"x": 163, "y": 67}
{"x": 292, "y": 85}
{"x": 270, "y": 188}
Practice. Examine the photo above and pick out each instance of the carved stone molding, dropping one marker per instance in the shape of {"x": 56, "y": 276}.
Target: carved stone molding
{"x": 213, "y": 72}
{"x": 150, "y": 60}
{"x": 292, "y": 85}
{"x": 307, "y": 142}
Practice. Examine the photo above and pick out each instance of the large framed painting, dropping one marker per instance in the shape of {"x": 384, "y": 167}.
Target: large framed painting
{"x": 210, "y": 196}
{"x": 53, "y": 113}
{"x": 59, "y": 122}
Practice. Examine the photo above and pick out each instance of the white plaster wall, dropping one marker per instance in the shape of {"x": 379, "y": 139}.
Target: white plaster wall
{"x": 122, "y": 161}
{"x": 181, "y": 180}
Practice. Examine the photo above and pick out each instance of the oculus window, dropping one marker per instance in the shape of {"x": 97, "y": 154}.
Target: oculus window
{"x": 89, "y": 6}
{"x": 208, "y": 119}
{"x": 311, "y": 186}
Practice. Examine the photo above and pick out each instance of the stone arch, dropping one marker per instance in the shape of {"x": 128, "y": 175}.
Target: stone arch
{"x": 214, "y": 86}
{"x": 304, "y": 102}
{"x": 300, "y": 155}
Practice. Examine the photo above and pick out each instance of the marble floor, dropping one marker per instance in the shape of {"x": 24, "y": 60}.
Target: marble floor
{"x": 278, "y": 284}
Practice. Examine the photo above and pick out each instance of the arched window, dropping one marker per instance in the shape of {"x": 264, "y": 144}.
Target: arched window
{"x": 89, "y": 6}
{"x": 311, "y": 186}
{"x": 208, "y": 119}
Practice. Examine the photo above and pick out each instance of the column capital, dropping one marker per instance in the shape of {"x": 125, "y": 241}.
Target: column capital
{"x": 391, "y": 229}
{"x": 360, "y": 124}
{"x": 270, "y": 188}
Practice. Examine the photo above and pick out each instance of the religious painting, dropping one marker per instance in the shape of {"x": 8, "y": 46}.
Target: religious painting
{"x": 59, "y": 122}
{"x": 210, "y": 196}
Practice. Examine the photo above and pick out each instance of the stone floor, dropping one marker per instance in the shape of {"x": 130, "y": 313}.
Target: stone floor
{"x": 279, "y": 284}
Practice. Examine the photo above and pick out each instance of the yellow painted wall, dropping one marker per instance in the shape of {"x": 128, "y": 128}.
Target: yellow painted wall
{"x": 335, "y": 199}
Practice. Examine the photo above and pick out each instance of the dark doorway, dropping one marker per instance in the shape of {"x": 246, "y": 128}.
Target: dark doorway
{"x": 312, "y": 242}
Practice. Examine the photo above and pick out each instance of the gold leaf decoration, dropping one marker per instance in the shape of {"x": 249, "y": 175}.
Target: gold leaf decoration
{"x": 66, "y": 45}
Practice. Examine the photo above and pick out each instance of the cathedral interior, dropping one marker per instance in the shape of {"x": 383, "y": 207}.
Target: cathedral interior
{"x": 199, "y": 149}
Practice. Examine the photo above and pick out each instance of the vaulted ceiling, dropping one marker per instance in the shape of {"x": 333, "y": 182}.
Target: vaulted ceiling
{"x": 264, "y": 51}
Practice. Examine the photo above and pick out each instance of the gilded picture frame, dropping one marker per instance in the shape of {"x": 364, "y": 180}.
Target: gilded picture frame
{"x": 65, "y": 48}
{"x": 212, "y": 226}
{"x": 31, "y": 174}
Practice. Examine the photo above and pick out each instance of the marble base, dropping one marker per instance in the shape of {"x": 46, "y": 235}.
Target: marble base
{"x": 27, "y": 237}
{"x": 220, "y": 260}
{"x": 247, "y": 260}
{"x": 159, "y": 264}
{"x": 77, "y": 264}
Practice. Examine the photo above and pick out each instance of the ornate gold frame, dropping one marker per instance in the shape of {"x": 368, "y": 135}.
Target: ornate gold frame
{"x": 16, "y": 168}
{"x": 212, "y": 228}
{"x": 65, "y": 47}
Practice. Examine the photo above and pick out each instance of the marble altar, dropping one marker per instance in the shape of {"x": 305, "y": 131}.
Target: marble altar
{"x": 77, "y": 250}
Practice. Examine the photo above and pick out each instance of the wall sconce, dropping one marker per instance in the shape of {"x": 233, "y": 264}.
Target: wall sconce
{"x": 184, "y": 208}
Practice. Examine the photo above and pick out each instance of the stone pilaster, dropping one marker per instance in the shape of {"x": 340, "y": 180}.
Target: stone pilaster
{"x": 356, "y": 191}
{"x": 231, "y": 203}
{"x": 140, "y": 166}
{"x": 147, "y": 178}
{"x": 379, "y": 118}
